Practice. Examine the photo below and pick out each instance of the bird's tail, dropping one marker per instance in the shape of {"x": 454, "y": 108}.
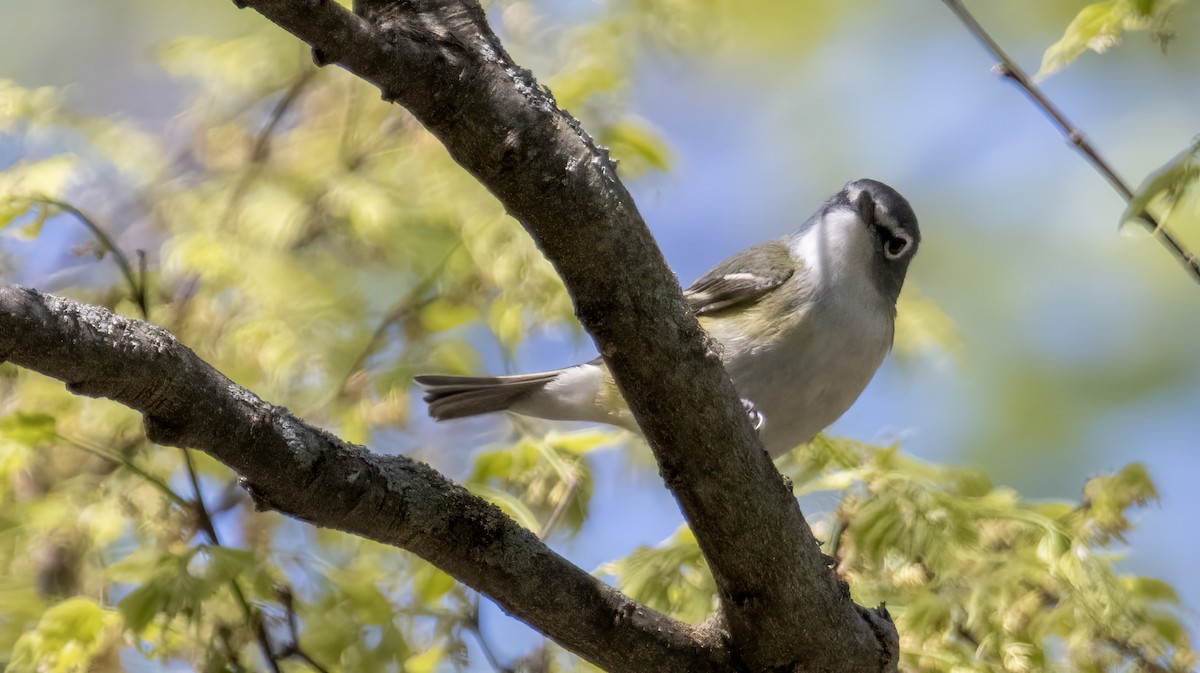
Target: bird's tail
{"x": 460, "y": 396}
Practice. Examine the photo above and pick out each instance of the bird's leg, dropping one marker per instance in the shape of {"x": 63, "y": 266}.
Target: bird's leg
{"x": 757, "y": 420}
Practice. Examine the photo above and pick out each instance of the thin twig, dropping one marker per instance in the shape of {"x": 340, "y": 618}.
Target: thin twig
{"x": 1008, "y": 68}
{"x": 840, "y": 528}
{"x": 252, "y": 616}
{"x": 262, "y": 142}
{"x": 287, "y": 598}
{"x": 413, "y": 300}
{"x": 560, "y": 509}
{"x": 260, "y": 149}
{"x": 474, "y": 627}
{"x": 137, "y": 290}
{"x": 472, "y": 620}
{"x": 1139, "y": 655}
{"x": 128, "y": 465}
{"x": 205, "y": 523}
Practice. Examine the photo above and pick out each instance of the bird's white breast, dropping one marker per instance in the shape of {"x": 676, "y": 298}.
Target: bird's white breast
{"x": 811, "y": 374}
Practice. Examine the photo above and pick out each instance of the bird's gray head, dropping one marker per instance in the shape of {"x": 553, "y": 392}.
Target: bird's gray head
{"x": 867, "y": 227}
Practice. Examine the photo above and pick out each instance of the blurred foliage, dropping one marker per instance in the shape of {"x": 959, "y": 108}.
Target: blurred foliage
{"x": 1100, "y": 26}
{"x": 319, "y": 247}
{"x": 975, "y": 578}
{"x": 1172, "y": 195}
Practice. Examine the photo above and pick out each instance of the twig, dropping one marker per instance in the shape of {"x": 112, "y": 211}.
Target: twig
{"x": 474, "y": 627}
{"x": 287, "y": 598}
{"x": 259, "y": 153}
{"x": 412, "y": 300}
{"x": 1139, "y": 655}
{"x": 262, "y": 142}
{"x": 253, "y": 617}
{"x": 260, "y": 150}
{"x": 129, "y": 465}
{"x": 206, "y": 524}
{"x": 840, "y": 528}
{"x": 137, "y": 289}
{"x": 472, "y": 619}
{"x": 560, "y": 509}
{"x": 1008, "y": 68}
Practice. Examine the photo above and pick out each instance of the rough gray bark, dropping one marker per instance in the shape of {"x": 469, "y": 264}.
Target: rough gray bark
{"x": 310, "y": 474}
{"x": 782, "y": 607}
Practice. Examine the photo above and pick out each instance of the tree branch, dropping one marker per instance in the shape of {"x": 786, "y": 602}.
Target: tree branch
{"x": 314, "y": 476}
{"x": 441, "y": 61}
{"x": 1009, "y": 69}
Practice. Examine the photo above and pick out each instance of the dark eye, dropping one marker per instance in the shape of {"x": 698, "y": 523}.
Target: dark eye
{"x": 895, "y": 246}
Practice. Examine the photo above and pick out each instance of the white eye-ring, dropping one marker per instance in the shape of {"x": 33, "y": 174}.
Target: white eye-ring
{"x": 896, "y": 246}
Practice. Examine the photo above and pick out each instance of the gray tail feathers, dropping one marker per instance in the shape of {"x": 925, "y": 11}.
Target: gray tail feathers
{"x": 461, "y": 396}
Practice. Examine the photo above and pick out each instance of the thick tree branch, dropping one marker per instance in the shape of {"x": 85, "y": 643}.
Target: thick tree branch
{"x": 441, "y": 61}
{"x": 312, "y": 475}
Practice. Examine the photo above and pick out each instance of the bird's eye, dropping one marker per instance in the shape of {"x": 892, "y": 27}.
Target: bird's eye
{"x": 895, "y": 246}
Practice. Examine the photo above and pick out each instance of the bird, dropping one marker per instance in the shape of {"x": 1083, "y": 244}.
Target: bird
{"x": 804, "y": 321}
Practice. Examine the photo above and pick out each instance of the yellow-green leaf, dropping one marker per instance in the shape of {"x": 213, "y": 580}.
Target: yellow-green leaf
{"x": 441, "y": 315}
{"x": 424, "y": 662}
{"x": 1097, "y": 27}
{"x": 1160, "y": 191}
{"x": 29, "y": 429}
{"x": 509, "y": 504}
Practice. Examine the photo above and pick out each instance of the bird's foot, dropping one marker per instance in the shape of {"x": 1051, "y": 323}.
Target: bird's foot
{"x": 757, "y": 420}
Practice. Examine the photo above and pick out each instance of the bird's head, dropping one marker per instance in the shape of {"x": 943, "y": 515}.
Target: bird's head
{"x": 866, "y": 232}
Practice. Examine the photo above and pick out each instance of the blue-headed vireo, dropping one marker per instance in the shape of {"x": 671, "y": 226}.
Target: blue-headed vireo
{"x": 805, "y": 321}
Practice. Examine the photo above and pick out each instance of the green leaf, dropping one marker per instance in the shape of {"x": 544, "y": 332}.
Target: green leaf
{"x": 18, "y": 104}
{"x": 672, "y": 577}
{"x": 581, "y": 442}
{"x": 1169, "y": 628}
{"x": 838, "y": 480}
{"x": 510, "y": 505}
{"x": 12, "y": 207}
{"x": 636, "y": 147}
{"x": 1096, "y": 27}
{"x": 222, "y": 63}
{"x": 141, "y": 605}
{"x": 1099, "y": 26}
{"x": 441, "y": 315}
{"x": 67, "y": 638}
{"x": 430, "y": 584}
{"x": 33, "y": 229}
{"x": 137, "y": 567}
{"x": 1144, "y": 7}
{"x": 1107, "y": 498}
{"x": 29, "y": 429}
{"x": 45, "y": 177}
{"x": 1163, "y": 189}
{"x": 507, "y": 321}
{"x": 225, "y": 563}
{"x": 424, "y": 662}
{"x": 1150, "y": 589}
{"x": 922, "y": 327}
{"x": 74, "y": 619}
{"x": 453, "y": 357}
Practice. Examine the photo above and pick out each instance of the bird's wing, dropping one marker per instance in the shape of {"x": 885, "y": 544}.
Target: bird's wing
{"x": 745, "y": 277}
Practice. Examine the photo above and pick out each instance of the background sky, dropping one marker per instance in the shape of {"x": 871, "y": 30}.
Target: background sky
{"x": 1079, "y": 345}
